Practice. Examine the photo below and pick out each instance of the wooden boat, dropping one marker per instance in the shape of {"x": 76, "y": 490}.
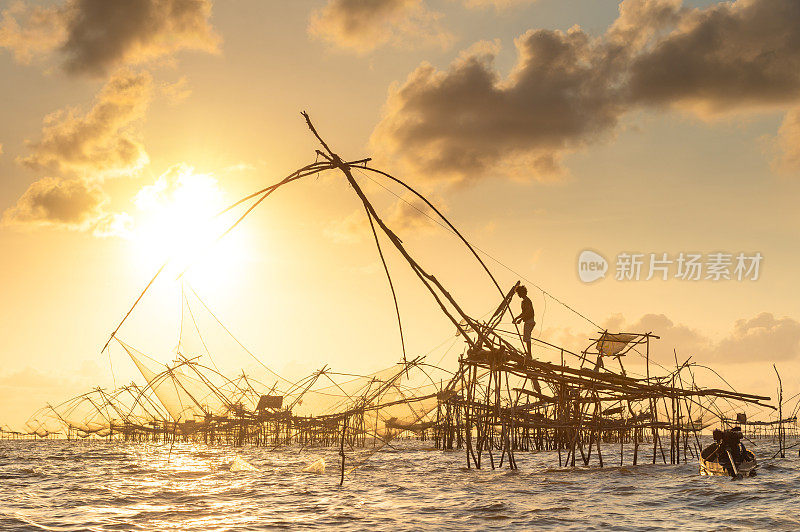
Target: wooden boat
{"x": 746, "y": 468}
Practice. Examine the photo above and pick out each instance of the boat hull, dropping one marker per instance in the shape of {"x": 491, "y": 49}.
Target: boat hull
{"x": 746, "y": 469}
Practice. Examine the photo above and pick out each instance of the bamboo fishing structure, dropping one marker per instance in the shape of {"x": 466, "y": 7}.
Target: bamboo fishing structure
{"x": 497, "y": 402}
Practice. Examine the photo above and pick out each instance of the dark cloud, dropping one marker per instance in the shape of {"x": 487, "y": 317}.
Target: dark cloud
{"x": 74, "y": 203}
{"x": 96, "y": 36}
{"x": 106, "y": 33}
{"x": 99, "y": 142}
{"x": 724, "y": 57}
{"x": 363, "y": 25}
{"x": 468, "y": 121}
{"x": 569, "y": 89}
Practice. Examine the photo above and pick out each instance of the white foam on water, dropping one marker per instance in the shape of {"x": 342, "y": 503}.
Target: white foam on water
{"x": 240, "y": 464}
{"x": 317, "y": 467}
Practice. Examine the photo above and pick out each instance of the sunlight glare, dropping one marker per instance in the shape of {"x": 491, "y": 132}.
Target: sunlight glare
{"x": 178, "y": 223}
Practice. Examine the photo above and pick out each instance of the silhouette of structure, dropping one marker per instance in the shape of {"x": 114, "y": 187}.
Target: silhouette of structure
{"x": 493, "y": 405}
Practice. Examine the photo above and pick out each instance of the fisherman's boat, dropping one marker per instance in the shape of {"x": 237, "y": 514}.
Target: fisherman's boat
{"x": 746, "y": 468}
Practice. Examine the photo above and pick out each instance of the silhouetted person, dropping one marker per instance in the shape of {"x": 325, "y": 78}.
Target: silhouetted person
{"x": 732, "y": 440}
{"x": 727, "y": 445}
{"x": 526, "y": 317}
{"x": 742, "y": 454}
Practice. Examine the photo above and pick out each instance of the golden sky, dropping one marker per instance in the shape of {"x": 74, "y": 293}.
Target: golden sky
{"x": 542, "y": 128}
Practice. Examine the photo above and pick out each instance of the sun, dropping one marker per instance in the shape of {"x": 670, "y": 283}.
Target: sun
{"x": 178, "y": 223}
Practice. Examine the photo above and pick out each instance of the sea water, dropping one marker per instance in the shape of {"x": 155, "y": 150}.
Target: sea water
{"x": 111, "y": 485}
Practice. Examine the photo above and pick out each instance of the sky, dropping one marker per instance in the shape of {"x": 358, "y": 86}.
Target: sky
{"x": 541, "y": 128}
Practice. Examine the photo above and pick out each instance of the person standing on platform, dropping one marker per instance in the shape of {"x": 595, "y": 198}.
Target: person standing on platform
{"x": 527, "y": 319}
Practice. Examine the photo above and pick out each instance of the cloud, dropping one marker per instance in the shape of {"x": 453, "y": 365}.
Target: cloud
{"x": 29, "y": 31}
{"x": 113, "y": 224}
{"x": 96, "y": 36}
{"x": 176, "y": 92}
{"x": 686, "y": 340}
{"x": 497, "y": 4}
{"x": 414, "y": 215}
{"x": 163, "y": 189}
{"x": 467, "y": 122}
{"x": 642, "y": 22}
{"x": 95, "y": 145}
{"x": 177, "y": 211}
{"x": 788, "y": 143}
{"x": 763, "y": 338}
{"x": 726, "y": 57}
{"x": 31, "y": 378}
{"x": 106, "y": 33}
{"x": 351, "y": 229}
{"x": 73, "y": 204}
{"x": 100, "y": 142}
{"x": 88, "y": 373}
{"x": 179, "y": 187}
{"x": 569, "y": 89}
{"x": 364, "y": 25}
{"x": 24, "y": 390}
{"x": 402, "y": 217}
{"x": 81, "y": 205}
